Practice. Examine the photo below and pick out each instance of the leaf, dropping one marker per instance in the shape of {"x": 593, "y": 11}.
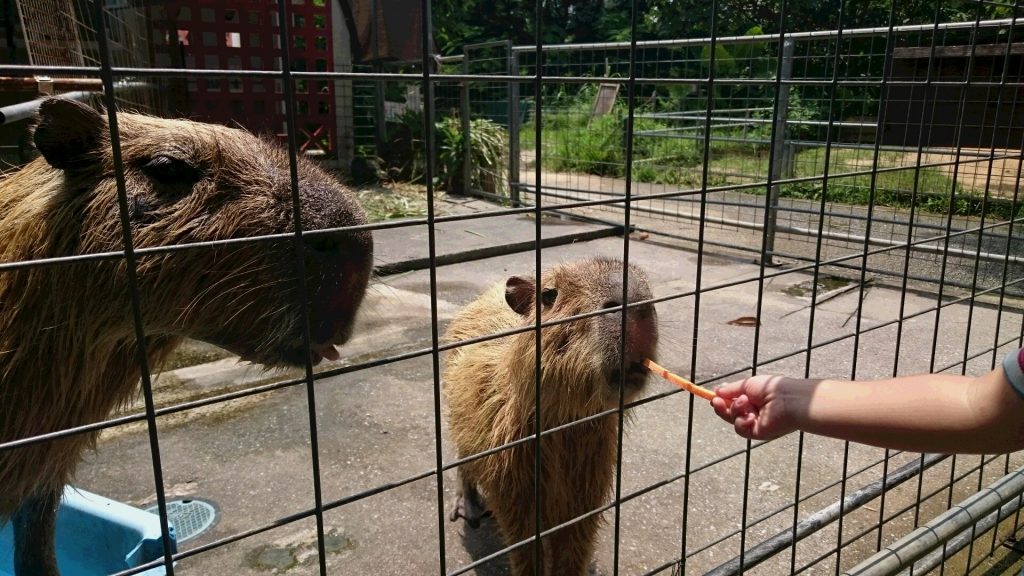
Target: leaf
{"x": 744, "y": 321}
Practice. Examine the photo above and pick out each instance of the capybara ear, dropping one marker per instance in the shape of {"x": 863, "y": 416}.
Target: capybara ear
{"x": 519, "y": 293}
{"x": 68, "y": 133}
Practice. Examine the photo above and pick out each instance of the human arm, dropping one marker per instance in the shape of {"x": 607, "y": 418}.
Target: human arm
{"x": 940, "y": 413}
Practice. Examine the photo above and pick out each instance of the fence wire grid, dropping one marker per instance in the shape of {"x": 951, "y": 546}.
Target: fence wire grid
{"x": 837, "y": 201}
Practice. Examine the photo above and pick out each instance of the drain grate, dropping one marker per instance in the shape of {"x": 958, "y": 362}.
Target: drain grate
{"x": 190, "y": 518}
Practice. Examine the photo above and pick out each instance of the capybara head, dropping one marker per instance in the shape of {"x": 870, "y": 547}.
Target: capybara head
{"x": 588, "y": 352}
{"x": 188, "y": 182}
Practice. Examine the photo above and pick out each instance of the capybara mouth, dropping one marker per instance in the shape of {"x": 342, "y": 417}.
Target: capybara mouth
{"x": 296, "y": 355}
{"x": 636, "y": 376}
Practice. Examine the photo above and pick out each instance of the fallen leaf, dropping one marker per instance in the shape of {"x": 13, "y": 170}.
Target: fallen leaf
{"x": 744, "y": 321}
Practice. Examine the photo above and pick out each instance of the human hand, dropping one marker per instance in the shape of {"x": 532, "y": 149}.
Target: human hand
{"x": 760, "y": 407}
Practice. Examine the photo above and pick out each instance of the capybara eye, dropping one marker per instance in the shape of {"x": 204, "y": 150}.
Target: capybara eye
{"x": 169, "y": 170}
{"x": 548, "y": 296}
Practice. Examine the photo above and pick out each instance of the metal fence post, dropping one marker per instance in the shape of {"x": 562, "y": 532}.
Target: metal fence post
{"x": 513, "y": 127}
{"x": 779, "y": 146}
{"x": 464, "y": 112}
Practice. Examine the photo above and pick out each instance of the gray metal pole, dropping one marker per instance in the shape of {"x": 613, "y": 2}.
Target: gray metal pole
{"x": 464, "y": 112}
{"x": 380, "y": 126}
{"x": 513, "y": 129}
{"x": 784, "y": 539}
{"x": 26, "y": 110}
{"x": 957, "y": 544}
{"x": 778, "y": 149}
{"x": 903, "y": 553}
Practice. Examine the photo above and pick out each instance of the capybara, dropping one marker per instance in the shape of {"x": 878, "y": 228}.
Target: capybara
{"x": 67, "y": 340}
{"x": 490, "y": 391}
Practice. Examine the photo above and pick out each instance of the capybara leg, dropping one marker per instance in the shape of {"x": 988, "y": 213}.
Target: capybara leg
{"x": 34, "y": 524}
{"x": 572, "y": 548}
{"x": 521, "y": 560}
{"x": 468, "y": 504}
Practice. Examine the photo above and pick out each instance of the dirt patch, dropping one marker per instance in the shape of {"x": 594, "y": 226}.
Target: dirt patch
{"x": 974, "y": 169}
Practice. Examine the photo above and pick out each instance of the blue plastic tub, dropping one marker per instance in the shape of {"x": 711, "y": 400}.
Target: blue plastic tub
{"x": 96, "y": 535}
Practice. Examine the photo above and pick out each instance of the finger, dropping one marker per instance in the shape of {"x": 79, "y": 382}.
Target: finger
{"x": 740, "y": 405}
{"x": 730, "y": 389}
{"x": 744, "y": 425}
{"x": 722, "y": 408}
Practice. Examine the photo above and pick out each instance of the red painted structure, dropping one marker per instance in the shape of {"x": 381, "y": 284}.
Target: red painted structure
{"x": 246, "y": 35}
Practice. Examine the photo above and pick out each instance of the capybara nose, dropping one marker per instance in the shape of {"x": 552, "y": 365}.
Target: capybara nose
{"x": 337, "y": 282}
{"x": 338, "y": 264}
{"x": 325, "y": 206}
{"x": 641, "y": 333}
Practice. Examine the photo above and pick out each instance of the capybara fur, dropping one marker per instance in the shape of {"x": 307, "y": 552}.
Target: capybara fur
{"x": 67, "y": 337}
{"x": 490, "y": 391}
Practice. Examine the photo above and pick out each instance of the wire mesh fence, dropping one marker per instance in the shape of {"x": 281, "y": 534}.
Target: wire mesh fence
{"x": 835, "y": 200}
{"x": 910, "y": 148}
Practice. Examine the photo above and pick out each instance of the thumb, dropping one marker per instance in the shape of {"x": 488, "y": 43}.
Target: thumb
{"x": 730, "y": 390}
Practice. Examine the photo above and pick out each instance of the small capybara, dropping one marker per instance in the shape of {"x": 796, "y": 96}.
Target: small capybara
{"x": 67, "y": 339}
{"x": 490, "y": 391}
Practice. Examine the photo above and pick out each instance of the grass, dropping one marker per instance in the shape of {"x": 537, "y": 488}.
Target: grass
{"x": 891, "y": 187}
{"x": 574, "y": 144}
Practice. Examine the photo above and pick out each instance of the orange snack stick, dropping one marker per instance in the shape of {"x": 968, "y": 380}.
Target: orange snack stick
{"x": 678, "y": 380}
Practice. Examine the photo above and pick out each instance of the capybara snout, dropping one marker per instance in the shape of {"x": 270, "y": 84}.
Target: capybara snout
{"x": 189, "y": 182}
{"x": 597, "y": 341}
{"x": 641, "y": 329}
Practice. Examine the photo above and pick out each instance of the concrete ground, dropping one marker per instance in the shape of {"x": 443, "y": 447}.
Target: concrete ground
{"x": 691, "y": 486}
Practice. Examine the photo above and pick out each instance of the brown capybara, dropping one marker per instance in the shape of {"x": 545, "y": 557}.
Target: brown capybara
{"x": 67, "y": 340}
{"x": 490, "y": 391}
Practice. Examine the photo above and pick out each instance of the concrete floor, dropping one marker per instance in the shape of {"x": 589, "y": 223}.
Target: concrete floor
{"x": 251, "y": 457}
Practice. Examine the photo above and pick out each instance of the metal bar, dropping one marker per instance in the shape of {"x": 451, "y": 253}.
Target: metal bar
{"x": 766, "y": 38}
{"x": 818, "y": 520}
{"x": 630, "y": 119}
{"x": 513, "y": 129}
{"x": 191, "y": 405}
{"x": 525, "y": 79}
{"x": 27, "y": 110}
{"x": 882, "y": 114}
{"x": 132, "y": 281}
{"x": 538, "y": 110}
{"x": 291, "y": 129}
{"x": 778, "y": 149}
{"x": 492, "y": 251}
{"x": 903, "y": 553}
{"x": 25, "y": 83}
{"x": 698, "y": 282}
{"x": 918, "y": 245}
{"x": 467, "y": 137}
{"x": 772, "y": 120}
{"x": 965, "y": 538}
{"x": 427, "y": 87}
{"x": 980, "y": 239}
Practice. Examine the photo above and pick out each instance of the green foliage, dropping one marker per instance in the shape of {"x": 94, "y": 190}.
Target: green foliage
{"x": 725, "y": 64}
{"x": 575, "y": 143}
{"x": 488, "y": 147}
{"x": 488, "y": 150}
